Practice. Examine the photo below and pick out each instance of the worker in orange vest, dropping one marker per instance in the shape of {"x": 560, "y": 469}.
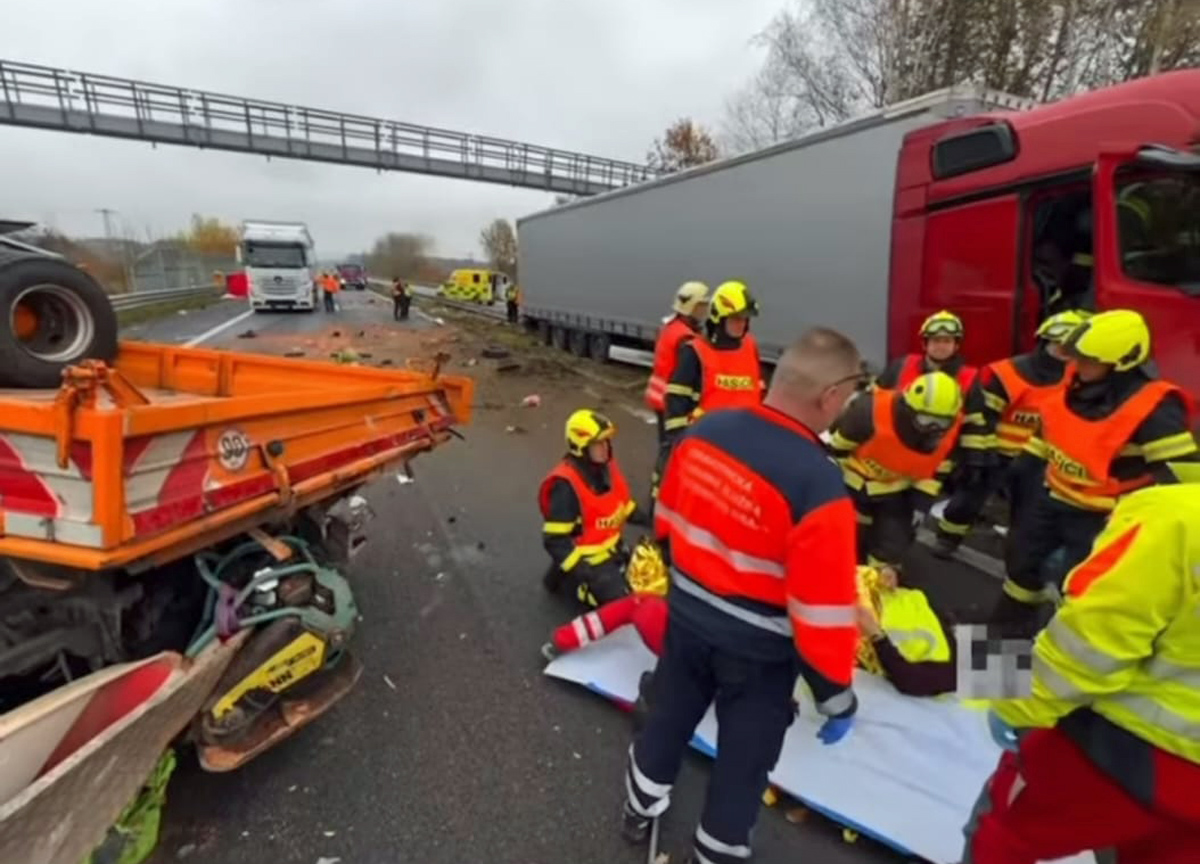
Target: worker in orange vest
{"x": 720, "y": 370}
{"x": 760, "y": 534}
{"x": 585, "y": 503}
{"x": 895, "y": 450}
{"x": 691, "y": 302}
{"x": 942, "y": 334}
{"x": 330, "y": 286}
{"x": 1002, "y": 414}
{"x": 1113, "y": 428}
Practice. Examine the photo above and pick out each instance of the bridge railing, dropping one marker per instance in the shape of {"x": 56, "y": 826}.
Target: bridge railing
{"x": 85, "y": 99}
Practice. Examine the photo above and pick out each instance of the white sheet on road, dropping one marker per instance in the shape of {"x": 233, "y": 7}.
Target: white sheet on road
{"x": 908, "y": 774}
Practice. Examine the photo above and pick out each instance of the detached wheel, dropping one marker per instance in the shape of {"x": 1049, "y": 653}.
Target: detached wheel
{"x": 55, "y": 315}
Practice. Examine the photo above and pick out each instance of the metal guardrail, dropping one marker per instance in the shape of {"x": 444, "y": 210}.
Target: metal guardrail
{"x": 50, "y": 98}
{"x": 138, "y": 299}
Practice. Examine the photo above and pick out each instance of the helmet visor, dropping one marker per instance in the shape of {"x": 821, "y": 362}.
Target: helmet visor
{"x": 931, "y": 422}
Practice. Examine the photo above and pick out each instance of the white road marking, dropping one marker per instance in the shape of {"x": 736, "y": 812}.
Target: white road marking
{"x": 204, "y": 337}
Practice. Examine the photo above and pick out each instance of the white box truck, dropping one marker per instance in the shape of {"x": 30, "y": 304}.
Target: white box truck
{"x": 280, "y": 262}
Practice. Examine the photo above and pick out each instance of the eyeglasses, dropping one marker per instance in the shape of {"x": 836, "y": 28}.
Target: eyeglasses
{"x": 859, "y": 378}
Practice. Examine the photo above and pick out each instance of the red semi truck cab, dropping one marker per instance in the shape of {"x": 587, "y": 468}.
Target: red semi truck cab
{"x": 1091, "y": 202}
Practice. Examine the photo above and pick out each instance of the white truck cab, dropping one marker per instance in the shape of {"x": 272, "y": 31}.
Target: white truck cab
{"x": 279, "y": 260}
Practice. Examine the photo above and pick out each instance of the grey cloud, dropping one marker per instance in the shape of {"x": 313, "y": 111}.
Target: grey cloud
{"x": 603, "y": 78}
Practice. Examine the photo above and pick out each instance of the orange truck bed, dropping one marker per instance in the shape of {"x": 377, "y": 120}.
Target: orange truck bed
{"x": 173, "y": 449}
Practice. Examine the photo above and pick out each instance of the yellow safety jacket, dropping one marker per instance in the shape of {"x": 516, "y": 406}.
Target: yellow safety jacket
{"x": 1126, "y": 641}
{"x": 904, "y": 614}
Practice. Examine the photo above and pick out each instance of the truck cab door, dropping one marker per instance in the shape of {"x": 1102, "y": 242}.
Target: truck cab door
{"x": 1146, "y": 221}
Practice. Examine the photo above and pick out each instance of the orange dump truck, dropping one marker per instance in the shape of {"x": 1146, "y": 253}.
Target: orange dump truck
{"x": 173, "y": 526}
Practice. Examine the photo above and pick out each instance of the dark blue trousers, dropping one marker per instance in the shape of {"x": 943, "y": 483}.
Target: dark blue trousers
{"x": 754, "y": 709}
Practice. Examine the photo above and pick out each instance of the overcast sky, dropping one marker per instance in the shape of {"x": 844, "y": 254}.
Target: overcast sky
{"x": 599, "y": 76}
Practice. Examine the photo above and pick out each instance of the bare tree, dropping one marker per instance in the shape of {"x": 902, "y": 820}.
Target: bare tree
{"x": 499, "y": 242}
{"x": 829, "y": 60}
{"x": 685, "y": 144}
{"x": 399, "y": 255}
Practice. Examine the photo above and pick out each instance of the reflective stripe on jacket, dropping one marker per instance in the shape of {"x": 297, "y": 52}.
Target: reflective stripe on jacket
{"x": 602, "y": 516}
{"x": 666, "y": 350}
{"x": 732, "y": 377}
{"x": 760, "y": 534}
{"x": 886, "y": 459}
{"x": 1079, "y": 452}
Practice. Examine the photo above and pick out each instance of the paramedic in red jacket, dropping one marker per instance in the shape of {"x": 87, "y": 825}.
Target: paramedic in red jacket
{"x": 759, "y": 532}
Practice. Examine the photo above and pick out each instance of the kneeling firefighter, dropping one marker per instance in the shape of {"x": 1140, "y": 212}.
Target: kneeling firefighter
{"x": 894, "y": 449}
{"x": 585, "y": 502}
{"x": 1003, "y": 413}
{"x": 903, "y": 639}
{"x": 1112, "y": 429}
{"x": 1104, "y": 751}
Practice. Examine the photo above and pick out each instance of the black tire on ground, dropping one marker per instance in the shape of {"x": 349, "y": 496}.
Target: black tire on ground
{"x": 579, "y": 343}
{"x": 544, "y": 333}
{"x": 52, "y": 315}
{"x": 495, "y": 352}
{"x": 598, "y": 346}
{"x": 560, "y": 338}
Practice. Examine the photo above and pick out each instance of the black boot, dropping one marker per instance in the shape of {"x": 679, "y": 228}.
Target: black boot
{"x": 635, "y": 827}
{"x": 553, "y": 580}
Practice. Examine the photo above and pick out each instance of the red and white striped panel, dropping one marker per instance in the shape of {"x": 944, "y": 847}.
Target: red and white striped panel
{"x": 41, "y": 500}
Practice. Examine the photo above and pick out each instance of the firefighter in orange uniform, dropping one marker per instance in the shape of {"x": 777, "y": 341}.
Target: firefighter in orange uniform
{"x": 1002, "y": 415}
{"x": 1112, "y": 429}
{"x": 585, "y": 503}
{"x": 720, "y": 370}
{"x": 691, "y": 302}
{"x": 895, "y": 451}
{"x": 759, "y": 533}
{"x": 942, "y": 332}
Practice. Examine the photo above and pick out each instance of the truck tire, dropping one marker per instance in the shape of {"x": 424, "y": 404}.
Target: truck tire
{"x": 560, "y": 338}
{"x": 598, "y": 345}
{"x": 54, "y": 315}
{"x": 579, "y": 343}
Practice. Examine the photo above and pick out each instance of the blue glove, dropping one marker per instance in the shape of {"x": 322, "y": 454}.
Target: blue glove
{"x": 1004, "y": 735}
{"x": 835, "y": 729}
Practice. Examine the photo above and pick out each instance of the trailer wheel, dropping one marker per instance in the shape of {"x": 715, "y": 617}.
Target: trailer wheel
{"x": 560, "y": 337}
{"x": 579, "y": 343}
{"x": 598, "y": 345}
{"x": 55, "y": 315}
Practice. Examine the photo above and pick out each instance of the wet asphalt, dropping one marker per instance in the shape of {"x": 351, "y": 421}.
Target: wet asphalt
{"x": 454, "y": 747}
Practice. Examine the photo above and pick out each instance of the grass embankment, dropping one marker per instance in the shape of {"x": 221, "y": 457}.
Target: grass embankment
{"x": 142, "y": 314}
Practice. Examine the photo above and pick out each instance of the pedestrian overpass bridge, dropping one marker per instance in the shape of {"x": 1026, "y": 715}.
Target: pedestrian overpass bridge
{"x": 43, "y": 97}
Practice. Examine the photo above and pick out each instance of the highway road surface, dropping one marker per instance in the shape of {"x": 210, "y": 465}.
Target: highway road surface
{"x": 454, "y": 748}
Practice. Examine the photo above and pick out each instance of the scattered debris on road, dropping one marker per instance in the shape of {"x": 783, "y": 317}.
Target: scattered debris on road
{"x": 247, "y": 334}
{"x": 495, "y": 352}
{"x": 510, "y": 366}
{"x": 388, "y": 681}
{"x": 294, "y": 352}
{"x": 533, "y": 400}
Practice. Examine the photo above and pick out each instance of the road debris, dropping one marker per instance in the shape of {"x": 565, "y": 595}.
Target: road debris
{"x": 533, "y": 400}
{"x": 329, "y": 833}
{"x": 405, "y": 479}
{"x": 472, "y": 361}
{"x": 796, "y": 815}
{"x": 439, "y": 576}
{"x": 248, "y": 334}
{"x": 495, "y": 352}
{"x": 329, "y": 860}
{"x": 515, "y": 430}
{"x": 294, "y": 352}
{"x": 185, "y": 850}
{"x": 509, "y": 366}
{"x": 388, "y": 681}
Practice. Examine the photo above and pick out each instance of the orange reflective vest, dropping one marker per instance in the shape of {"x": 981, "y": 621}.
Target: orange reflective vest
{"x": 914, "y": 368}
{"x": 1022, "y": 417}
{"x": 1080, "y": 452}
{"x": 885, "y": 457}
{"x": 602, "y": 515}
{"x": 732, "y": 377}
{"x": 666, "y": 353}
